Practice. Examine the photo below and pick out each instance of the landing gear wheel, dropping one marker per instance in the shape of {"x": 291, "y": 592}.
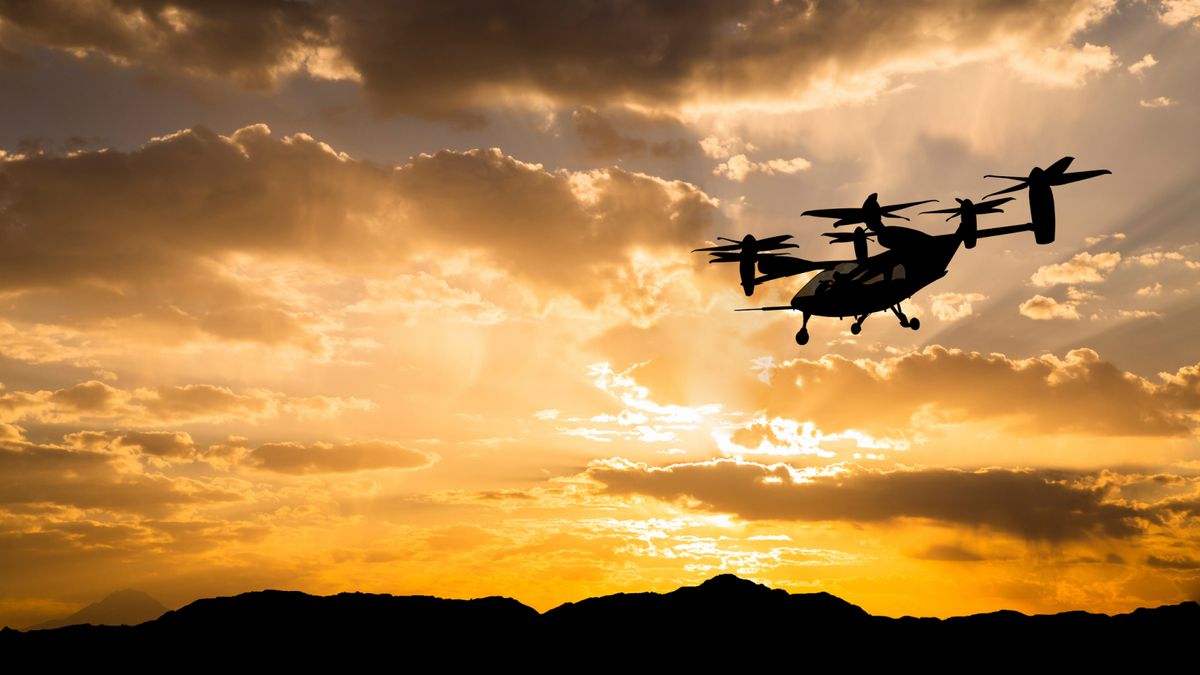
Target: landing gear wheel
{"x": 914, "y": 324}
{"x": 802, "y": 337}
{"x": 856, "y": 328}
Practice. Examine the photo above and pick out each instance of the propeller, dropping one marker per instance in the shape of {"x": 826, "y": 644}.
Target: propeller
{"x": 1053, "y": 175}
{"x": 747, "y": 253}
{"x": 748, "y": 244}
{"x": 870, "y": 213}
{"x": 967, "y": 206}
{"x": 848, "y": 237}
{"x": 859, "y": 237}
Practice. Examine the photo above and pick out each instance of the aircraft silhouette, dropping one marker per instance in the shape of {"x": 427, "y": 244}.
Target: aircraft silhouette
{"x": 912, "y": 259}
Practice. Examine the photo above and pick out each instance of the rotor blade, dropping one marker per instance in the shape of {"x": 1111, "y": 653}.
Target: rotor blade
{"x": 771, "y": 241}
{"x": 1018, "y": 186}
{"x": 897, "y": 207}
{"x": 1020, "y": 178}
{"x": 725, "y": 257}
{"x": 849, "y": 221}
{"x": 766, "y": 309}
{"x": 1079, "y": 175}
{"x": 893, "y": 215}
{"x": 844, "y": 237}
{"x": 956, "y": 210}
{"x": 979, "y": 212}
{"x": 723, "y": 247}
{"x": 1060, "y": 166}
{"x": 992, "y": 204}
{"x": 834, "y": 213}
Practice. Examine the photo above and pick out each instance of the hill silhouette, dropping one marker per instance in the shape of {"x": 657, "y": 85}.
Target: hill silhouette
{"x": 724, "y": 618}
{"x": 128, "y": 607}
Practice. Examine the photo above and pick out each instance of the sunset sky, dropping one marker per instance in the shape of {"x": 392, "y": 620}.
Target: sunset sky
{"x": 398, "y": 297}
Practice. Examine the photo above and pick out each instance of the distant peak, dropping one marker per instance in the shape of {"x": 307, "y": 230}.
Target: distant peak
{"x": 128, "y": 594}
{"x": 120, "y": 607}
{"x": 730, "y": 582}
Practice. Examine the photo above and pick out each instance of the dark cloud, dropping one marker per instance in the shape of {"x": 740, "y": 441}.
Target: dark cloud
{"x": 295, "y": 458}
{"x": 1030, "y": 504}
{"x": 251, "y": 43}
{"x": 1173, "y": 563}
{"x": 448, "y": 58}
{"x": 949, "y": 553}
{"x": 180, "y": 404}
{"x": 603, "y": 140}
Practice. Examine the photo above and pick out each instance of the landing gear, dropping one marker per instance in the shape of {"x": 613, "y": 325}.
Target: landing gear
{"x": 802, "y": 336}
{"x": 913, "y": 323}
{"x": 856, "y": 327}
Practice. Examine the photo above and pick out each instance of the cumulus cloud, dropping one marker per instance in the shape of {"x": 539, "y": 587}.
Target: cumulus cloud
{"x": 1157, "y": 102}
{"x": 448, "y": 59}
{"x": 1083, "y": 268}
{"x": 1096, "y": 239}
{"x": 719, "y": 147}
{"x": 1042, "y": 308}
{"x": 1145, "y": 63}
{"x": 174, "y": 241}
{"x": 1138, "y": 314}
{"x": 90, "y": 473}
{"x": 1080, "y": 393}
{"x": 97, "y": 401}
{"x": 1156, "y": 258}
{"x": 738, "y": 167}
{"x": 1030, "y": 504}
{"x": 954, "y": 306}
{"x": 1065, "y": 66}
{"x": 1175, "y": 12}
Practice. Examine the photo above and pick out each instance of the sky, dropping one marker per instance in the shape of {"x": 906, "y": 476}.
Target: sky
{"x": 398, "y": 297}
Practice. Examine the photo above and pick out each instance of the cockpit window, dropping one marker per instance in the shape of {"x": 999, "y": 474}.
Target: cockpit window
{"x": 845, "y": 273}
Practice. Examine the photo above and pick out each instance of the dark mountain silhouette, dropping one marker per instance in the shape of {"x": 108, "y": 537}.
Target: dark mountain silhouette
{"x": 126, "y": 607}
{"x": 722, "y": 619}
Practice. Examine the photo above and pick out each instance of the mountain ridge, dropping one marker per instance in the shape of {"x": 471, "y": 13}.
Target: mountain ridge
{"x": 742, "y": 615}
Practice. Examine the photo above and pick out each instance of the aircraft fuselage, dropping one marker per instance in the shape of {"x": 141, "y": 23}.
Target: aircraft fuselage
{"x": 913, "y": 260}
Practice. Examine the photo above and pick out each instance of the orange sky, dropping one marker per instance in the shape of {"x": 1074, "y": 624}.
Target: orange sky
{"x": 349, "y": 296}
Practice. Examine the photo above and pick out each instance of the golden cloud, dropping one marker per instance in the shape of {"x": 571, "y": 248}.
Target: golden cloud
{"x": 1042, "y": 308}
{"x": 161, "y": 243}
{"x": 1080, "y": 393}
{"x": 1083, "y": 268}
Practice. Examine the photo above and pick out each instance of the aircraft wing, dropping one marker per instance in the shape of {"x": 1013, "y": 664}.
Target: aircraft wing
{"x": 834, "y": 213}
{"x": 998, "y": 231}
{"x": 778, "y": 267}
